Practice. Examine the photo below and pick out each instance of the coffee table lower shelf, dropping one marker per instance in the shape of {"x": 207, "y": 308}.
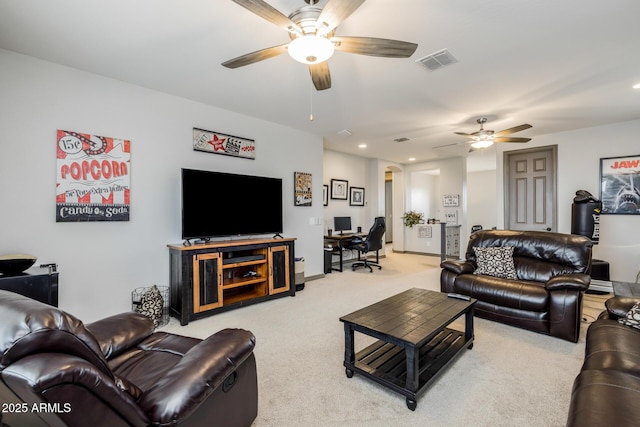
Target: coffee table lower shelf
{"x": 386, "y": 363}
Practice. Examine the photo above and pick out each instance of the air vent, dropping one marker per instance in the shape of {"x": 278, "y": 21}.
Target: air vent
{"x": 437, "y": 60}
{"x": 401, "y": 139}
{"x": 344, "y": 133}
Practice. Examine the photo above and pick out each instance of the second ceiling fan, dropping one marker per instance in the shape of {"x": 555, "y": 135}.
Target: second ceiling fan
{"x": 311, "y": 30}
{"x": 484, "y": 138}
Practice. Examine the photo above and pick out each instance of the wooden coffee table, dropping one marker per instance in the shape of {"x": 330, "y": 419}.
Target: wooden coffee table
{"x": 414, "y": 343}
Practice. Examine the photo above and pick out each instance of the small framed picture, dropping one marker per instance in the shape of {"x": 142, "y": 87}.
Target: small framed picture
{"x": 325, "y": 195}
{"x": 356, "y": 196}
{"x": 339, "y": 189}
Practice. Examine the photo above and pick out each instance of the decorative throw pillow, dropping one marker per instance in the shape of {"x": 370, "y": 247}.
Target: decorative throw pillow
{"x": 633, "y": 317}
{"x": 496, "y": 262}
{"x": 151, "y": 304}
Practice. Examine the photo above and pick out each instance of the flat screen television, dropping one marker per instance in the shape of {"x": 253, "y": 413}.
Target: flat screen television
{"x": 218, "y": 204}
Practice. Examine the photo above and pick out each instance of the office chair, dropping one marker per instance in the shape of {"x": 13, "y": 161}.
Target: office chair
{"x": 373, "y": 242}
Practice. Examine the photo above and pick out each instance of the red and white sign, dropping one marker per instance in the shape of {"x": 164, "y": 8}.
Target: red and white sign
{"x": 93, "y": 177}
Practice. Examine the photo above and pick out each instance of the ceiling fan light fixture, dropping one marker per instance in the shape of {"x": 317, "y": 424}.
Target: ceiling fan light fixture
{"x": 482, "y": 143}
{"x": 311, "y": 49}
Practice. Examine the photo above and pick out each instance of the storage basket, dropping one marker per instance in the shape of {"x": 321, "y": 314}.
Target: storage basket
{"x": 153, "y": 302}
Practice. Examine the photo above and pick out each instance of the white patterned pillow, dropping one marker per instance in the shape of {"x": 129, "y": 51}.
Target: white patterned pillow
{"x": 633, "y": 317}
{"x": 151, "y": 305}
{"x": 496, "y": 262}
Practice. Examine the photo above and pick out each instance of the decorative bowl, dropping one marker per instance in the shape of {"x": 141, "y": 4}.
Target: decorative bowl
{"x": 16, "y": 263}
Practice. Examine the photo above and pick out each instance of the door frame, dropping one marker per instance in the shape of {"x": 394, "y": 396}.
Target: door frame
{"x": 507, "y": 181}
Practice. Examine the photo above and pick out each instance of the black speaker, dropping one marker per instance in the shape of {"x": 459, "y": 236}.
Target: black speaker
{"x": 585, "y": 219}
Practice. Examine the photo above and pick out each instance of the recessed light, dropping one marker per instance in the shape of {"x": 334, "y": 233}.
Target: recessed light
{"x": 362, "y": 146}
{"x": 636, "y": 86}
{"x": 412, "y": 159}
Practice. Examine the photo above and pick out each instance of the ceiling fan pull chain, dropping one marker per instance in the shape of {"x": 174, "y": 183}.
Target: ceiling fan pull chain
{"x": 311, "y": 102}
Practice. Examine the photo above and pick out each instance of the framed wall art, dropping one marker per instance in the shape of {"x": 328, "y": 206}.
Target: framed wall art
{"x": 302, "y": 190}
{"x": 325, "y": 195}
{"x": 451, "y": 200}
{"x": 356, "y": 196}
{"x": 93, "y": 177}
{"x": 220, "y": 143}
{"x": 339, "y": 189}
{"x": 620, "y": 185}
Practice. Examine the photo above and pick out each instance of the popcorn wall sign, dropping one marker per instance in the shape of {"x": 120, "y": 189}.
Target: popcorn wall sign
{"x": 93, "y": 178}
{"x": 220, "y": 143}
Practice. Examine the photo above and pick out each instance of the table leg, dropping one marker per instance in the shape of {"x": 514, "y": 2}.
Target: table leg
{"x": 349, "y": 352}
{"x": 468, "y": 329}
{"x": 413, "y": 374}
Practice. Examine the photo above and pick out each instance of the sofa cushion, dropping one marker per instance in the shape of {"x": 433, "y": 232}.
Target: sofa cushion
{"x": 632, "y": 318}
{"x": 611, "y": 345}
{"x": 604, "y": 398}
{"x": 520, "y": 294}
{"x": 496, "y": 262}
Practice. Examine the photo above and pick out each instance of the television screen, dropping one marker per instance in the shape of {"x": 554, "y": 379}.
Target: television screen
{"x": 225, "y": 204}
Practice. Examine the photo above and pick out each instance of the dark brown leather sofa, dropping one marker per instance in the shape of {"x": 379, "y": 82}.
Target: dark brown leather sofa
{"x": 552, "y": 274}
{"x": 117, "y": 372}
{"x": 607, "y": 390}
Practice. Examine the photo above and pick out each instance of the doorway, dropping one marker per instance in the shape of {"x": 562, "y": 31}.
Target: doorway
{"x": 530, "y": 190}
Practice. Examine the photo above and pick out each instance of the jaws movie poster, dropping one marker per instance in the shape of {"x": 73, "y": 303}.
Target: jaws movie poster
{"x": 93, "y": 178}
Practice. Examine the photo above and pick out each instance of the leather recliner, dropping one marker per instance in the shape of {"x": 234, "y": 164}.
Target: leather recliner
{"x": 552, "y": 275}
{"x": 606, "y": 390}
{"x": 56, "y": 371}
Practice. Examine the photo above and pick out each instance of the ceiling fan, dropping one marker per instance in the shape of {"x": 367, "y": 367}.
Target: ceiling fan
{"x": 311, "y": 30}
{"x": 484, "y": 138}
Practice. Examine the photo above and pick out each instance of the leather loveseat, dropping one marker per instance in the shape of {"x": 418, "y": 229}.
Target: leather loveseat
{"x": 607, "y": 390}
{"x": 55, "y": 371}
{"x": 544, "y": 294}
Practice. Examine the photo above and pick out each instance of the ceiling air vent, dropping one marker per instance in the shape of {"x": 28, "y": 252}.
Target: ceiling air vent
{"x": 437, "y": 60}
{"x": 401, "y": 139}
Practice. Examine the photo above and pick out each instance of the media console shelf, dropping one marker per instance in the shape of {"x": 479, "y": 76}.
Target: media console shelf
{"x": 218, "y": 276}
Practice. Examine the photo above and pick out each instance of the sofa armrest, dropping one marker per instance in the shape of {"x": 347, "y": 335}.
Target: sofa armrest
{"x": 619, "y": 306}
{"x": 202, "y": 369}
{"x": 66, "y": 379}
{"x": 458, "y": 267}
{"x": 117, "y": 333}
{"x": 577, "y": 281}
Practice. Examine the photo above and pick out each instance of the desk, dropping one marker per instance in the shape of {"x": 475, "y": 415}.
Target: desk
{"x": 343, "y": 241}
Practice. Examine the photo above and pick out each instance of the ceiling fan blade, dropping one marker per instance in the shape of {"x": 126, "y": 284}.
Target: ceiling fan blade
{"x": 463, "y": 134}
{"x": 510, "y": 139}
{"x": 335, "y": 12}
{"x": 513, "y": 130}
{"x": 320, "y": 75}
{"x": 375, "y": 47}
{"x": 268, "y": 12}
{"x": 256, "y": 56}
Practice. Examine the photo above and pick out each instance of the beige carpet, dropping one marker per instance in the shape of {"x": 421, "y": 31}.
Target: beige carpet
{"x": 510, "y": 377}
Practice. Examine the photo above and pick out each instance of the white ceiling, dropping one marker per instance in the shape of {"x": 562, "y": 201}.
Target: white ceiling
{"x": 558, "y": 65}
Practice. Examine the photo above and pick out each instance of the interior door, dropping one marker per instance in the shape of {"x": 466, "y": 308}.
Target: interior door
{"x": 530, "y": 202}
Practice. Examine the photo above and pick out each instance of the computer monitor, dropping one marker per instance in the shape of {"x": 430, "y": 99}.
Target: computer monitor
{"x": 342, "y": 223}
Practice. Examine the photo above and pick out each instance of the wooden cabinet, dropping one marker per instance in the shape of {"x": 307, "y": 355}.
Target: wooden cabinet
{"x": 218, "y": 276}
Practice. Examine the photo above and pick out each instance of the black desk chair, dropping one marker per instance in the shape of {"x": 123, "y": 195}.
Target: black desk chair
{"x": 373, "y": 242}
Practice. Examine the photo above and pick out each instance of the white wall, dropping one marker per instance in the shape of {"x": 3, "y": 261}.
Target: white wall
{"x": 356, "y": 170}
{"x": 579, "y": 154}
{"x": 100, "y": 263}
{"x": 481, "y": 199}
